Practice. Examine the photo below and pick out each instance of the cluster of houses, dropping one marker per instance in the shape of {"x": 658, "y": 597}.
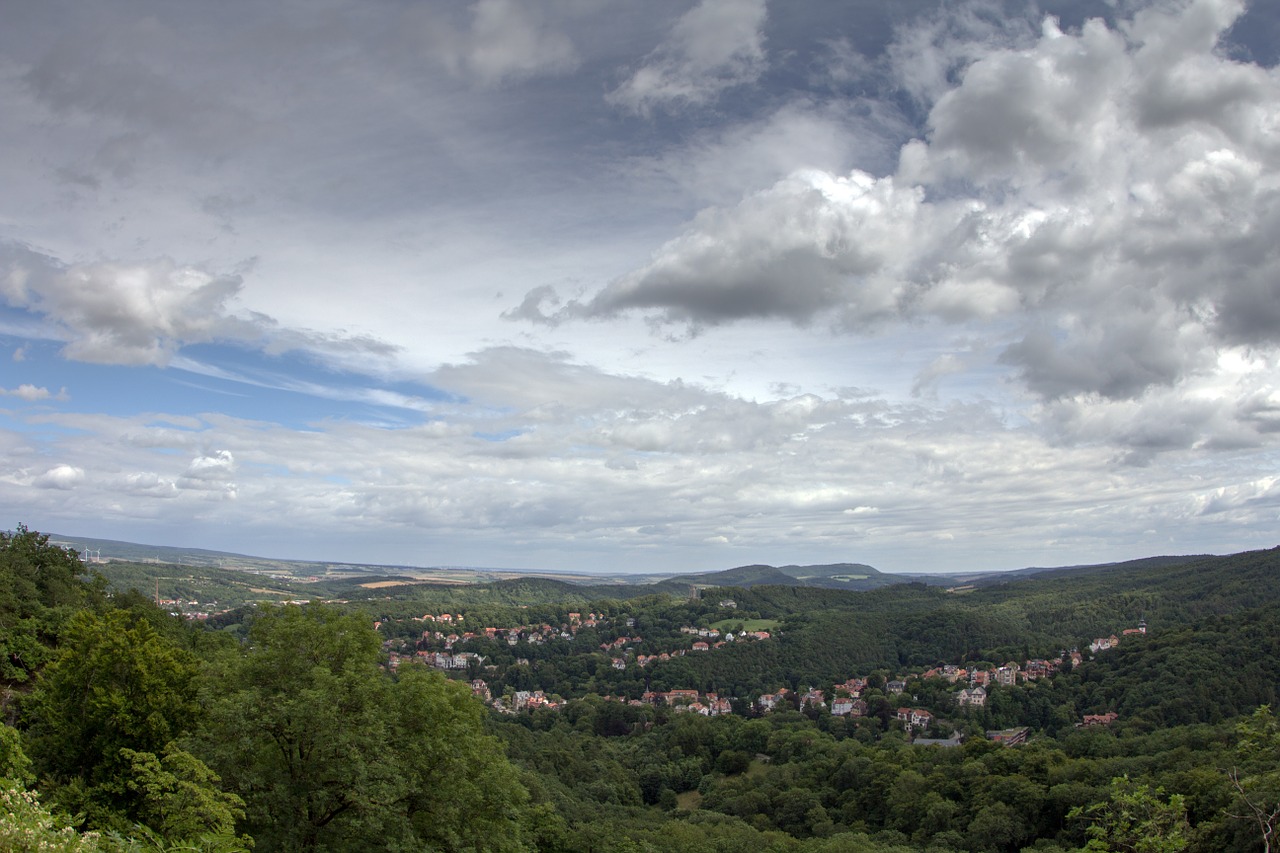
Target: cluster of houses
{"x": 621, "y": 649}
{"x": 846, "y": 699}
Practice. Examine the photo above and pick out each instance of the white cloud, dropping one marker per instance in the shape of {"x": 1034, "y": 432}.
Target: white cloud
{"x": 219, "y": 465}
{"x": 60, "y": 477}
{"x": 32, "y": 393}
{"x": 716, "y": 45}
{"x": 1121, "y": 228}
{"x": 115, "y": 313}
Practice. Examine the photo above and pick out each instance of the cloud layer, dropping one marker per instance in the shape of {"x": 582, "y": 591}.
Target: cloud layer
{"x": 682, "y": 283}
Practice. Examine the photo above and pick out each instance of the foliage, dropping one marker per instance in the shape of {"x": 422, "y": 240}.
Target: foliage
{"x": 40, "y": 586}
{"x": 1255, "y": 776}
{"x": 116, "y": 684}
{"x": 328, "y": 751}
{"x": 180, "y": 795}
{"x": 28, "y": 826}
{"x": 1136, "y": 819}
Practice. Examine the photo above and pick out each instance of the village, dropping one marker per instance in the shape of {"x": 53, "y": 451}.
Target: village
{"x": 440, "y": 646}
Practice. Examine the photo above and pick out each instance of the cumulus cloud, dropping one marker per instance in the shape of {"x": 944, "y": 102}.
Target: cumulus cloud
{"x": 212, "y": 473}
{"x": 714, "y": 46}
{"x": 1110, "y": 194}
{"x": 790, "y": 252}
{"x": 62, "y": 477}
{"x": 219, "y": 465}
{"x": 114, "y": 313}
{"x": 144, "y": 312}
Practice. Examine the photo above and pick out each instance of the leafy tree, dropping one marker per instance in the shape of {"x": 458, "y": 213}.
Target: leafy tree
{"x": 1256, "y": 776}
{"x": 28, "y": 826}
{"x": 1136, "y": 819}
{"x": 328, "y": 751}
{"x": 40, "y": 586}
{"x": 14, "y": 764}
{"x": 116, "y": 684}
{"x": 180, "y": 795}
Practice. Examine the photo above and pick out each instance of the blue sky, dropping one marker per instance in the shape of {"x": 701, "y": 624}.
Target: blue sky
{"x": 589, "y": 285}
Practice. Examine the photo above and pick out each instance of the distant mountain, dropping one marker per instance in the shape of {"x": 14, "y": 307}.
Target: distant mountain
{"x": 856, "y": 576}
{"x": 846, "y": 576}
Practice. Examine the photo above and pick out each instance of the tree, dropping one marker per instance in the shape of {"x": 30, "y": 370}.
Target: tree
{"x": 180, "y": 795}
{"x": 1135, "y": 819}
{"x": 459, "y": 791}
{"x": 40, "y": 585}
{"x": 116, "y": 684}
{"x": 1256, "y": 775}
{"x": 328, "y": 751}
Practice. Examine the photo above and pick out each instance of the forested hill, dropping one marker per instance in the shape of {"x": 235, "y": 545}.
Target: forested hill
{"x": 855, "y": 576}
{"x": 752, "y": 711}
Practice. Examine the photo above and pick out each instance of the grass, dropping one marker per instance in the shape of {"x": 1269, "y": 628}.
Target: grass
{"x": 747, "y": 624}
{"x": 688, "y": 800}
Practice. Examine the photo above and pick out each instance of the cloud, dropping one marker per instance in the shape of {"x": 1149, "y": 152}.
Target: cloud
{"x": 506, "y": 40}
{"x": 117, "y": 313}
{"x": 61, "y": 477}
{"x": 32, "y": 393}
{"x": 219, "y": 465}
{"x": 213, "y": 473}
{"x": 145, "y": 312}
{"x": 716, "y": 45}
{"x": 810, "y": 244}
{"x": 603, "y": 461}
{"x": 1104, "y": 199}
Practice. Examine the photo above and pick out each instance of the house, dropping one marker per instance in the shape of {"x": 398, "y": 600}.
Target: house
{"x": 842, "y": 706}
{"x": 700, "y": 646}
{"x": 769, "y": 701}
{"x": 915, "y": 718}
{"x": 814, "y": 697}
{"x": 895, "y": 687}
{"x": 972, "y": 697}
{"x": 618, "y": 663}
{"x": 854, "y": 686}
{"x": 1007, "y": 675}
{"x": 1009, "y": 737}
{"x": 681, "y": 696}
{"x": 1100, "y": 719}
{"x": 1102, "y": 644}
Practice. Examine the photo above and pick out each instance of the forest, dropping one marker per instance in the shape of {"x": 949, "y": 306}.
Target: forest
{"x": 361, "y": 722}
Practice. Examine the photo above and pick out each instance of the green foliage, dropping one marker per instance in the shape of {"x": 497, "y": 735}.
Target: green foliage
{"x": 40, "y": 586}
{"x": 180, "y": 795}
{"x": 116, "y": 684}
{"x": 328, "y": 751}
{"x": 1255, "y": 775}
{"x": 28, "y": 826}
{"x": 1136, "y": 819}
{"x": 14, "y": 764}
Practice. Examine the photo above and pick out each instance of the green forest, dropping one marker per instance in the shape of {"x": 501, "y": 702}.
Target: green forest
{"x": 538, "y": 715}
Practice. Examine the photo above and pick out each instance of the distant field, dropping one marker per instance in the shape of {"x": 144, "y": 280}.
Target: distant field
{"x": 747, "y": 624}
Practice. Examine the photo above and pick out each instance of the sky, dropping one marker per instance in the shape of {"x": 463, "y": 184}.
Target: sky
{"x": 613, "y": 286}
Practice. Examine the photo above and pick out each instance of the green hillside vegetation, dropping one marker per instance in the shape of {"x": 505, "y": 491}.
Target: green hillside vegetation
{"x": 291, "y": 728}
